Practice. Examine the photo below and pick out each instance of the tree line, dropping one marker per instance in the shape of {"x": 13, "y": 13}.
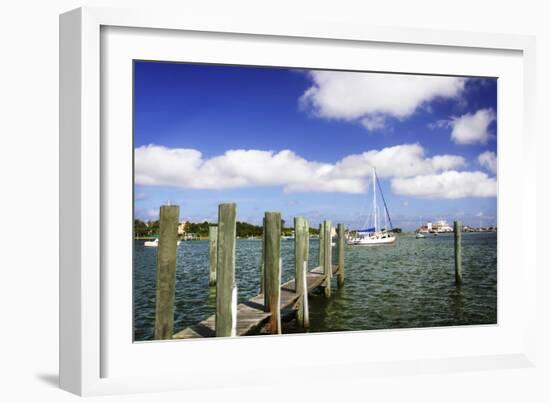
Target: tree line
{"x": 244, "y": 229}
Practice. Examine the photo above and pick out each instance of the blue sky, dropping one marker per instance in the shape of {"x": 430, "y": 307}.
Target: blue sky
{"x": 302, "y": 142}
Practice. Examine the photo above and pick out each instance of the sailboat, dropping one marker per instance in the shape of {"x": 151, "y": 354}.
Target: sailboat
{"x": 374, "y": 235}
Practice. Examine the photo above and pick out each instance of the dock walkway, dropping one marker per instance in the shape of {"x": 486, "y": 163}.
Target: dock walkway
{"x": 251, "y": 316}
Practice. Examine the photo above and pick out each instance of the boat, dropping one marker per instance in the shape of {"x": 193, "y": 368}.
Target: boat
{"x": 420, "y": 235}
{"x": 155, "y": 243}
{"x": 288, "y": 237}
{"x": 374, "y": 235}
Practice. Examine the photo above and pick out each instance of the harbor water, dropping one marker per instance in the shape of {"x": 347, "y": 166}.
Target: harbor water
{"x": 407, "y": 284}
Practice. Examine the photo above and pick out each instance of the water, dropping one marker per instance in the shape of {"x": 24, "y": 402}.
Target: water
{"x": 408, "y": 284}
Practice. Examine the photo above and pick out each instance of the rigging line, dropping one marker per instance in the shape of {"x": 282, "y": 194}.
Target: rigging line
{"x": 368, "y": 217}
{"x": 384, "y": 200}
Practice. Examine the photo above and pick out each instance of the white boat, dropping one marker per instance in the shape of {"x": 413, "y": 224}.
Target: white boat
{"x": 152, "y": 244}
{"x": 288, "y": 237}
{"x": 374, "y": 235}
{"x": 155, "y": 243}
{"x": 420, "y": 235}
{"x": 372, "y": 238}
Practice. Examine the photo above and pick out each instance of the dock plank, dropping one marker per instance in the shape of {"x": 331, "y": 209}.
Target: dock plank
{"x": 250, "y": 314}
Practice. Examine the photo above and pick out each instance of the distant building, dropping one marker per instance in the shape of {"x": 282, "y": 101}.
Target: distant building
{"x": 442, "y": 226}
{"x": 182, "y": 226}
{"x": 435, "y": 227}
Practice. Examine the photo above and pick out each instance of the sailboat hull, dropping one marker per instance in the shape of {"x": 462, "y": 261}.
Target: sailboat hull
{"x": 371, "y": 241}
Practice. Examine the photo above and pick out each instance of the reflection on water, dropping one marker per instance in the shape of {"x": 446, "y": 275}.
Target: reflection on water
{"x": 408, "y": 284}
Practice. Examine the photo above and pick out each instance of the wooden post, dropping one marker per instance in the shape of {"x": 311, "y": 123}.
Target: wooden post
{"x": 166, "y": 272}
{"x": 212, "y": 253}
{"x": 225, "y": 270}
{"x": 305, "y": 303}
{"x": 262, "y": 269}
{"x": 458, "y": 252}
{"x": 301, "y": 232}
{"x": 272, "y": 268}
{"x": 327, "y": 255}
{"x": 341, "y": 244}
{"x": 321, "y": 244}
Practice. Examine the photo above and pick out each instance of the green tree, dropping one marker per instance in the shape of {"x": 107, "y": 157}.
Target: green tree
{"x": 140, "y": 228}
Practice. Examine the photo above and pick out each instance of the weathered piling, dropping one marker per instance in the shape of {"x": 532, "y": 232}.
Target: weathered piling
{"x": 272, "y": 268}
{"x": 212, "y": 253}
{"x": 166, "y": 272}
{"x": 341, "y": 245}
{"x": 321, "y": 244}
{"x": 303, "y": 313}
{"x": 262, "y": 269}
{"x": 301, "y": 238}
{"x": 225, "y": 270}
{"x": 458, "y": 251}
{"x": 327, "y": 255}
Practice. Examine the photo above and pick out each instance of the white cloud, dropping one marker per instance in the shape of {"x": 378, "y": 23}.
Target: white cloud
{"x": 186, "y": 168}
{"x": 472, "y": 127}
{"x": 447, "y": 185}
{"x": 369, "y": 98}
{"x": 488, "y": 159}
{"x": 398, "y": 161}
{"x": 161, "y": 166}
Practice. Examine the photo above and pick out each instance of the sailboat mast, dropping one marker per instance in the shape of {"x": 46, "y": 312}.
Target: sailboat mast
{"x": 374, "y": 200}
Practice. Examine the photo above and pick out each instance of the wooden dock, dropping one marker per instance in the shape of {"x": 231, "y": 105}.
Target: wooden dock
{"x": 251, "y": 315}
{"x": 276, "y": 302}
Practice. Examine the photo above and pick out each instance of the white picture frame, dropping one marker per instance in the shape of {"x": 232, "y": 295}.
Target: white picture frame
{"x": 86, "y": 346}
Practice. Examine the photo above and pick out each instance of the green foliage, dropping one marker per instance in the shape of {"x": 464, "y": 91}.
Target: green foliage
{"x": 201, "y": 229}
{"x": 244, "y": 229}
{"x": 313, "y": 231}
{"x": 149, "y": 228}
{"x": 140, "y": 228}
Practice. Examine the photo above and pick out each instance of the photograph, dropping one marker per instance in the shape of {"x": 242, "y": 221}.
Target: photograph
{"x": 275, "y": 200}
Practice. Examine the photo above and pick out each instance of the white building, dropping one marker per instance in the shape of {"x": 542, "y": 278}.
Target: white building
{"x": 442, "y": 226}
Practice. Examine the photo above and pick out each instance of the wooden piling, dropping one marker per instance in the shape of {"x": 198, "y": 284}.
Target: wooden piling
{"x": 212, "y": 253}
{"x": 341, "y": 245}
{"x": 301, "y": 235}
{"x": 166, "y": 272}
{"x": 262, "y": 269}
{"x": 272, "y": 268}
{"x": 305, "y": 303}
{"x": 225, "y": 270}
{"x": 457, "y": 226}
{"x": 321, "y": 244}
{"x": 327, "y": 255}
